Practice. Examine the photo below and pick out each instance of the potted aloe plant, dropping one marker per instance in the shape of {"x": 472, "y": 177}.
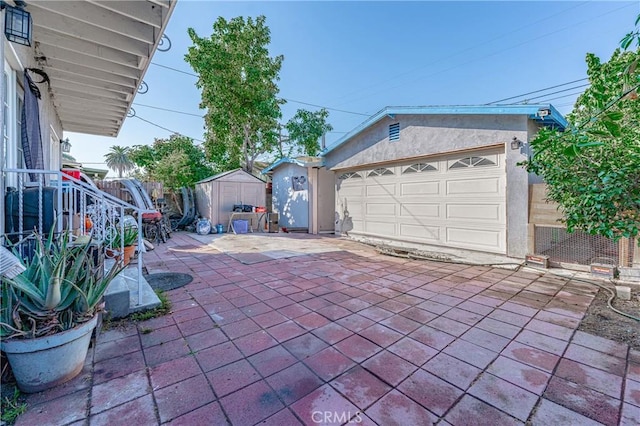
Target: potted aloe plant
{"x": 121, "y": 239}
{"x": 49, "y": 311}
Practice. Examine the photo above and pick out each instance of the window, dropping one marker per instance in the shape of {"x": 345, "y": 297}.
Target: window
{"x": 350, "y": 175}
{"x": 418, "y": 168}
{"x": 20, "y": 154}
{"x": 12, "y": 115}
{"x": 471, "y": 162}
{"x": 394, "y": 132}
{"x": 380, "y": 172}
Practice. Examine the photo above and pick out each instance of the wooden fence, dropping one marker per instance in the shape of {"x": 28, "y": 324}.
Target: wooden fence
{"x": 115, "y": 188}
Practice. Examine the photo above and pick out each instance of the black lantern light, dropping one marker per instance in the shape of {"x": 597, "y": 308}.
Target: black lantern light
{"x": 65, "y": 145}
{"x": 17, "y": 23}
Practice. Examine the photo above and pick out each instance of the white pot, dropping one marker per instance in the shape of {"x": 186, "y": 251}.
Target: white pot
{"x": 48, "y": 361}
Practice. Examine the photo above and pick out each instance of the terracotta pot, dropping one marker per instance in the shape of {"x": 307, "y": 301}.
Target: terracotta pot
{"x": 129, "y": 251}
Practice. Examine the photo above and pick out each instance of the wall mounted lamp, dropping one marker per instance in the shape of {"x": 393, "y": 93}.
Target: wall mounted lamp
{"x": 65, "y": 146}
{"x": 17, "y": 23}
{"x": 543, "y": 112}
{"x": 516, "y": 143}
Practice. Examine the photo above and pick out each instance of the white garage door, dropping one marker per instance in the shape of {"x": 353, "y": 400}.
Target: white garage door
{"x": 455, "y": 201}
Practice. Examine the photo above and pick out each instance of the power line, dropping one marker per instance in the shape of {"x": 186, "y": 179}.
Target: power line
{"x": 563, "y": 96}
{"x": 329, "y": 108}
{"x": 549, "y": 94}
{"x": 471, "y": 48}
{"x": 164, "y": 128}
{"x": 189, "y": 113}
{"x": 169, "y": 110}
{"x": 537, "y": 91}
{"x": 174, "y": 69}
{"x": 286, "y": 99}
{"x": 484, "y": 56}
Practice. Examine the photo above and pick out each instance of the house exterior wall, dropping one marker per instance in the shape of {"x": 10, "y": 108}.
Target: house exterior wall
{"x": 424, "y": 135}
{"x": 291, "y": 206}
{"x": 517, "y": 193}
{"x": 17, "y": 58}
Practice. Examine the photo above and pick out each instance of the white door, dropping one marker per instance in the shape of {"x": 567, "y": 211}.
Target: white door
{"x": 456, "y": 201}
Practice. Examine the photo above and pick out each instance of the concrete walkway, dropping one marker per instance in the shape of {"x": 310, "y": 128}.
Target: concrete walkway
{"x": 351, "y": 336}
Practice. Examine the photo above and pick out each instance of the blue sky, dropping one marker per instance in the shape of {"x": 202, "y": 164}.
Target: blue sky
{"x": 359, "y": 57}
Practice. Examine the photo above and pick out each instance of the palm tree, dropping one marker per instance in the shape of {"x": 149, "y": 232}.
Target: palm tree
{"x": 118, "y": 159}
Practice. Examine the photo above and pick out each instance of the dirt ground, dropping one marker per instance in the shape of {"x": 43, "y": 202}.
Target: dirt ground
{"x": 603, "y": 322}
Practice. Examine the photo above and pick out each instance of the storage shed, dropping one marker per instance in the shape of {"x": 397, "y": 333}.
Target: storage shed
{"x": 216, "y": 195}
{"x": 303, "y": 194}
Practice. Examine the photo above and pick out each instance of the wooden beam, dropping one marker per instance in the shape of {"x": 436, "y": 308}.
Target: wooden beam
{"x": 139, "y": 10}
{"x": 74, "y": 87}
{"x": 90, "y": 72}
{"x": 61, "y": 76}
{"x": 95, "y": 16}
{"x": 69, "y": 112}
{"x": 89, "y": 130}
{"x": 91, "y": 121}
{"x": 43, "y": 19}
{"x": 89, "y": 62}
{"x": 47, "y": 38}
{"x": 163, "y": 3}
{"x": 97, "y": 100}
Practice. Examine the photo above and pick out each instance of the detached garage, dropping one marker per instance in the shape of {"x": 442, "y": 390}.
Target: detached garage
{"x": 216, "y": 195}
{"x": 443, "y": 176}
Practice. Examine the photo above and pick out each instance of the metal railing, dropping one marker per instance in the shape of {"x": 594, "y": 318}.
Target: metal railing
{"x": 52, "y": 201}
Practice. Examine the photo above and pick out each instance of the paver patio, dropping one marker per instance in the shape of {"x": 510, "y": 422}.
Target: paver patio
{"x": 351, "y": 336}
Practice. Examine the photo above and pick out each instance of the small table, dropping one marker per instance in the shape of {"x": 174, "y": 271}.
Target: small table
{"x": 250, "y": 216}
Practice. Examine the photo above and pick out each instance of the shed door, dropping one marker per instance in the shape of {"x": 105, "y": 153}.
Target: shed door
{"x": 456, "y": 201}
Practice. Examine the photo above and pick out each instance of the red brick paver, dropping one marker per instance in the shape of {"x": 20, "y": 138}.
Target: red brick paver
{"x": 350, "y": 336}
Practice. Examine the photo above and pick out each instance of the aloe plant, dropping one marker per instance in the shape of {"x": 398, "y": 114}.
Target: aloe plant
{"x": 57, "y": 291}
{"x": 116, "y": 237}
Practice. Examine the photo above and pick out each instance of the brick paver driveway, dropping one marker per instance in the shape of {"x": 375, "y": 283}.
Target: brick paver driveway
{"x": 351, "y": 336}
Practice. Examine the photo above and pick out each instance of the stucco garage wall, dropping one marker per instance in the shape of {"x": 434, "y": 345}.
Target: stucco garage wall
{"x": 422, "y": 135}
{"x": 427, "y": 135}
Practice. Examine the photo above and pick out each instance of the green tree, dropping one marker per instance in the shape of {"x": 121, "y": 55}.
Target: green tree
{"x": 237, "y": 77}
{"x": 118, "y": 159}
{"x": 592, "y": 169}
{"x": 305, "y": 130}
{"x": 176, "y": 161}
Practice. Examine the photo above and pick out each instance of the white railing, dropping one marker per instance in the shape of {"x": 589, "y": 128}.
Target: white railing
{"x": 51, "y": 201}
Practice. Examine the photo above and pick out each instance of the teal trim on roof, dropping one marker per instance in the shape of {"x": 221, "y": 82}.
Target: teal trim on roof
{"x": 292, "y": 161}
{"x": 553, "y": 119}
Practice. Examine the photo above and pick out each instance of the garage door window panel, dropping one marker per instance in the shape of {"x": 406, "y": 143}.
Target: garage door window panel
{"x": 419, "y": 168}
{"x": 350, "y": 175}
{"x": 472, "y": 161}
{"x": 381, "y": 171}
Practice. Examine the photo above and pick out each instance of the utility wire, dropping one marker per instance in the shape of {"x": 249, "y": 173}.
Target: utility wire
{"x": 286, "y": 99}
{"x": 164, "y": 128}
{"x": 174, "y": 69}
{"x": 470, "y": 48}
{"x": 332, "y": 109}
{"x": 538, "y": 91}
{"x": 482, "y": 57}
{"x": 169, "y": 110}
{"x": 549, "y": 94}
{"x": 563, "y": 96}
